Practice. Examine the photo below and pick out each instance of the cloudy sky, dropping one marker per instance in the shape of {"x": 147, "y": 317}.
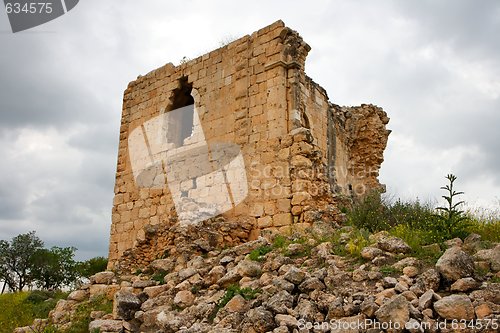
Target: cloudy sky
{"x": 434, "y": 66}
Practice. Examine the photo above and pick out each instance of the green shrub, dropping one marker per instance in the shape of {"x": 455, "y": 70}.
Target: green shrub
{"x": 42, "y": 309}
{"x": 38, "y": 296}
{"x": 414, "y": 237}
{"x": 280, "y": 242}
{"x": 15, "y": 312}
{"x": 370, "y": 213}
{"x": 195, "y": 289}
{"x": 418, "y": 223}
{"x": 233, "y": 290}
{"x": 358, "y": 239}
{"x": 413, "y": 214}
{"x": 160, "y": 277}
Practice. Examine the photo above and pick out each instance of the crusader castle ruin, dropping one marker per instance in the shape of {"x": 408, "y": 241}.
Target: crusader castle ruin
{"x": 234, "y": 144}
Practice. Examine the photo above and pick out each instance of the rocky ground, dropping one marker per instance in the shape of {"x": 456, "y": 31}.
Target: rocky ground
{"x": 301, "y": 285}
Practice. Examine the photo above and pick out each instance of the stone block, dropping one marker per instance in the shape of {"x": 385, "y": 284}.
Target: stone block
{"x": 265, "y": 222}
{"x": 282, "y": 219}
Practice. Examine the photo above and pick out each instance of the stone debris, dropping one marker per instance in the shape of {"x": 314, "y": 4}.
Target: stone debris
{"x": 280, "y": 293}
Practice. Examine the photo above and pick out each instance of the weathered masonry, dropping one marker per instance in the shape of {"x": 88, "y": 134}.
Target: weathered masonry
{"x": 232, "y": 144}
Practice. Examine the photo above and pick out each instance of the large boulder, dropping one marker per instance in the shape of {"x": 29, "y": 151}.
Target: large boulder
{"x": 260, "y": 320}
{"x": 430, "y": 279}
{"x": 311, "y": 284}
{"x": 425, "y": 301}
{"x": 62, "y": 311}
{"x": 472, "y": 243}
{"x": 455, "y": 307}
{"x": 295, "y": 275}
{"x": 106, "y": 326}
{"x": 184, "y": 298}
{"x": 281, "y": 302}
{"x": 491, "y": 293}
{"x": 395, "y": 311}
{"x": 102, "y": 278}
{"x": 465, "y": 284}
{"x": 78, "y": 295}
{"x": 390, "y": 244}
{"x": 308, "y": 310}
{"x": 370, "y": 252}
{"x": 455, "y": 264}
{"x": 248, "y": 268}
{"x": 492, "y": 256}
{"x": 163, "y": 265}
{"x": 125, "y": 305}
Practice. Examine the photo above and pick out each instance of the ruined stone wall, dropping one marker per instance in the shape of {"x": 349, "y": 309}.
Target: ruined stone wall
{"x": 360, "y": 139}
{"x": 253, "y": 99}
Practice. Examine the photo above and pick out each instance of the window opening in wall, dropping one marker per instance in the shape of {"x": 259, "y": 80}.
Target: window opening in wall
{"x": 305, "y": 120}
{"x": 180, "y": 123}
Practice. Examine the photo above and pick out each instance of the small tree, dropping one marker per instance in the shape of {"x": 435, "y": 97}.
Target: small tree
{"x": 453, "y": 220}
{"x": 16, "y": 260}
{"x": 92, "y": 266}
{"x": 54, "y": 268}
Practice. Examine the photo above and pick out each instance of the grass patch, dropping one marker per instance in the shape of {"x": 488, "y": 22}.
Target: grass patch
{"x": 195, "y": 289}
{"x": 20, "y": 309}
{"x": 259, "y": 253}
{"x": 81, "y": 319}
{"x": 389, "y": 270}
{"x": 280, "y": 242}
{"x": 177, "y": 308}
{"x": 231, "y": 291}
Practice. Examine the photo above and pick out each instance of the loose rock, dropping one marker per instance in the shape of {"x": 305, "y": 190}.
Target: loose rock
{"x": 455, "y": 307}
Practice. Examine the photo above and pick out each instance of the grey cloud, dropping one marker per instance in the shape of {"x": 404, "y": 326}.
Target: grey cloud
{"x": 12, "y": 201}
{"x": 467, "y": 25}
{"x": 361, "y": 52}
{"x": 35, "y": 94}
{"x": 99, "y": 138}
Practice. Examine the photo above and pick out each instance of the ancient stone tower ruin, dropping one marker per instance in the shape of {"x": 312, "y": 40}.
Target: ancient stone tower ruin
{"x": 236, "y": 143}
